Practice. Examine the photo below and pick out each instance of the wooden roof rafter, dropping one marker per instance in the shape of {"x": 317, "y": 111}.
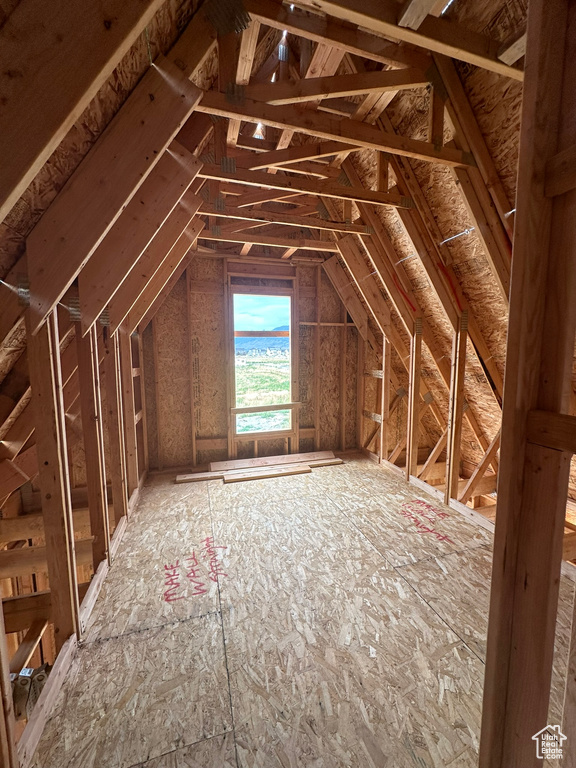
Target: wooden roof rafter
{"x": 347, "y": 131}
{"x": 63, "y": 91}
{"x": 405, "y": 70}
{"x": 246, "y": 54}
{"x": 433, "y": 34}
{"x": 323, "y": 189}
{"x": 50, "y": 277}
{"x": 330, "y": 32}
{"x": 263, "y": 224}
{"x": 164, "y": 191}
{"x": 407, "y": 309}
{"x": 408, "y": 313}
{"x": 421, "y": 228}
{"x": 367, "y": 287}
{"x": 279, "y": 93}
{"x": 263, "y": 216}
{"x": 180, "y": 227}
{"x": 414, "y": 12}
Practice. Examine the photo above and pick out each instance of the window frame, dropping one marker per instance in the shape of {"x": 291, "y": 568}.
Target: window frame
{"x": 292, "y": 406}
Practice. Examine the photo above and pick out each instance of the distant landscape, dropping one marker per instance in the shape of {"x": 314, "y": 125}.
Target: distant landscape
{"x": 256, "y": 345}
{"x": 262, "y": 379}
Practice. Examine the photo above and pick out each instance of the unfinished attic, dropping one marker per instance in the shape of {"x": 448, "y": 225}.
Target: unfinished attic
{"x": 287, "y": 412}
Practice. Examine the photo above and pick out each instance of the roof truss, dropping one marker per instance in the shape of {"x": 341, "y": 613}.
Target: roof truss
{"x": 295, "y": 191}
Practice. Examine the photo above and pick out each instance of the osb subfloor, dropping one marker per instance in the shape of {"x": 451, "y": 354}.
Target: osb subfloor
{"x": 345, "y": 628}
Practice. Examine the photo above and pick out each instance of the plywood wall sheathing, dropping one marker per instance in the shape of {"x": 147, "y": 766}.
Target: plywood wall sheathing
{"x": 173, "y": 395}
{"x": 326, "y": 373}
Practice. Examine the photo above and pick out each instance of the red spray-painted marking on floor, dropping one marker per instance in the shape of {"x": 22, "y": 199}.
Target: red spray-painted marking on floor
{"x": 172, "y": 582}
{"x": 192, "y": 570}
{"x": 210, "y": 555}
{"x": 418, "y": 511}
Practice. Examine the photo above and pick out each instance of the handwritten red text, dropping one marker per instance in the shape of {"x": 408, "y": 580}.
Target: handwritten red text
{"x": 210, "y": 555}
{"x": 192, "y": 573}
{"x": 172, "y": 582}
{"x": 422, "y": 514}
{"x": 194, "y": 570}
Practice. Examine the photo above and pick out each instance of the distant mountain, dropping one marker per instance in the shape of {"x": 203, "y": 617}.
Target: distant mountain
{"x": 261, "y": 343}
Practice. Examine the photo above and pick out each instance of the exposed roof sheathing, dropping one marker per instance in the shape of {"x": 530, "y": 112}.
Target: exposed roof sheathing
{"x": 431, "y": 236}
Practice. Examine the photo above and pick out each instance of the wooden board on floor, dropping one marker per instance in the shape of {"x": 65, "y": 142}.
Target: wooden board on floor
{"x": 256, "y": 472}
{"x": 270, "y": 461}
{"x": 324, "y": 463}
{"x": 197, "y": 477}
{"x": 265, "y": 472}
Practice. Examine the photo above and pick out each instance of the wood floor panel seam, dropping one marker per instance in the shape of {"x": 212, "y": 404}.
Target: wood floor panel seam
{"x": 224, "y": 644}
{"x": 441, "y": 555}
{"x": 180, "y": 749}
{"x": 175, "y": 623}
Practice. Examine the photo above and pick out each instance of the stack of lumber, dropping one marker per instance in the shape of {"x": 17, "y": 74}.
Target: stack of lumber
{"x": 238, "y": 470}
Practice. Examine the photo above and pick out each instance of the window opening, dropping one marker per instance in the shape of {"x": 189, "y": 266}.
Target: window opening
{"x": 262, "y": 363}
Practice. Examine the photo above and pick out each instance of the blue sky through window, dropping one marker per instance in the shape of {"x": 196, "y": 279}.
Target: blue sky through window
{"x": 260, "y": 313}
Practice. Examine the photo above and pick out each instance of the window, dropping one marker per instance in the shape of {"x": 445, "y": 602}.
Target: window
{"x": 262, "y": 364}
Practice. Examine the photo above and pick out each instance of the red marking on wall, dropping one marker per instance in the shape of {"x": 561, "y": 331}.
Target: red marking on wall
{"x": 422, "y": 514}
{"x": 193, "y": 570}
{"x": 450, "y": 283}
{"x": 402, "y": 291}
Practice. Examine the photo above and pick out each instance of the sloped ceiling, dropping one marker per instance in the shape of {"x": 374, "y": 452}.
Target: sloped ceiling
{"x": 442, "y": 247}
